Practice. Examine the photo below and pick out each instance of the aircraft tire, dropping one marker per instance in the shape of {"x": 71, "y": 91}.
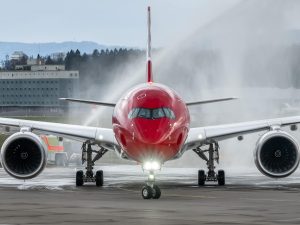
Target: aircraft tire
{"x": 156, "y": 192}
{"x": 99, "y": 178}
{"x": 201, "y": 177}
{"x": 147, "y": 192}
{"x": 79, "y": 178}
{"x": 221, "y": 177}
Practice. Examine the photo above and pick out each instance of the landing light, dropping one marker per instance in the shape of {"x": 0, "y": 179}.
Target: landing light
{"x": 151, "y": 165}
{"x": 151, "y": 177}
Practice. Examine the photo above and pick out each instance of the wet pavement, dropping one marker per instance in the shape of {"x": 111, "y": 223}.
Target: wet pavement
{"x": 52, "y": 198}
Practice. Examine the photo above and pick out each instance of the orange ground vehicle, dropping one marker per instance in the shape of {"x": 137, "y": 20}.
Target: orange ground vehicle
{"x": 56, "y": 151}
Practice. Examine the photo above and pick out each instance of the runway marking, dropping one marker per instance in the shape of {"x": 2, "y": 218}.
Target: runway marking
{"x": 125, "y": 189}
{"x": 266, "y": 199}
{"x": 190, "y": 196}
{"x": 289, "y": 220}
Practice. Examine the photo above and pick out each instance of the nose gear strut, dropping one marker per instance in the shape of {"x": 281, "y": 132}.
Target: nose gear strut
{"x": 151, "y": 190}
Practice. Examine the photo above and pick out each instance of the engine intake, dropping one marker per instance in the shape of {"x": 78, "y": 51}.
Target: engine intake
{"x": 23, "y": 155}
{"x": 277, "y": 154}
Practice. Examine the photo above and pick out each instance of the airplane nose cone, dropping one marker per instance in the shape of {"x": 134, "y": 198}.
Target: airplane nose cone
{"x": 154, "y": 136}
{"x": 154, "y": 133}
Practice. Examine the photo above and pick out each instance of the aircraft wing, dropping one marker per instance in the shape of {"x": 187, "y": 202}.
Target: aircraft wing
{"x": 209, "y": 101}
{"x": 91, "y": 102}
{"x": 103, "y": 136}
{"x": 202, "y": 135}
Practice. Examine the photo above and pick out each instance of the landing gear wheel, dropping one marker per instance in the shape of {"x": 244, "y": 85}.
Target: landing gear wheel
{"x": 221, "y": 177}
{"x": 147, "y": 192}
{"x": 79, "y": 178}
{"x": 156, "y": 192}
{"x": 99, "y": 178}
{"x": 201, "y": 177}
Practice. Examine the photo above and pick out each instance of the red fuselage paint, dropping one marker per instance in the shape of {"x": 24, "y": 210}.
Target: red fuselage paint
{"x": 151, "y": 139}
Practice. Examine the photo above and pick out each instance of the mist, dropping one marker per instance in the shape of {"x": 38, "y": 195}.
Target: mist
{"x": 248, "y": 52}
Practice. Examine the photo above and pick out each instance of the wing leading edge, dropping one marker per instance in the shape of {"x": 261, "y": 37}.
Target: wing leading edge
{"x": 103, "y": 136}
{"x": 202, "y": 135}
{"x": 91, "y": 102}
{"x": 209, "y": 101}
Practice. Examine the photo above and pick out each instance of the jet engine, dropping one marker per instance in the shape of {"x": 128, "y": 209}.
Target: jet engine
{"x": 23, "y": 155}
{"x": 277, "y": 154}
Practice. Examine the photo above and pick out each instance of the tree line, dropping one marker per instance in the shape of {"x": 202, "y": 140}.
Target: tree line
{"x": 99, "y": 67}
{"x": 95, "y": 68}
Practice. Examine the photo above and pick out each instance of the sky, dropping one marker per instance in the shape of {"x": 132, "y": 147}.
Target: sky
{"x": 110, "y": 22}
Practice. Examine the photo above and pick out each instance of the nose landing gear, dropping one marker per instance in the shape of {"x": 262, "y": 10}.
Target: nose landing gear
{"x": 151, "y": 190}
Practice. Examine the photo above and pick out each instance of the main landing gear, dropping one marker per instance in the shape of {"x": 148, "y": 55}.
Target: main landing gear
{"x": 151, "y": 190}
{"x": 213, "y": 155}
{"x": 87, "y": 156}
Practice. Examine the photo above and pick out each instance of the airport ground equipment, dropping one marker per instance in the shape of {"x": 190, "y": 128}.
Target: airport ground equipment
{"x": 56, "y": 151}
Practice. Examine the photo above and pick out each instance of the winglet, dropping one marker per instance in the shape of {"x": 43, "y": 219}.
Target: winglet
{"x": 149, "y": 62}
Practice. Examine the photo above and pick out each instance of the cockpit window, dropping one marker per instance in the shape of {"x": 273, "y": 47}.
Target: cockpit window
{"x": 133, "y": 113}
{"x": 144, "y": 113}
{"x": 158, "y": 113}
{"x": 151, "y": 113}
{"x": 169, "y": 113}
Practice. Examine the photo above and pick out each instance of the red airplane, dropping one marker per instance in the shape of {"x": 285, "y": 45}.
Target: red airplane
{"x": 150, "y": 126}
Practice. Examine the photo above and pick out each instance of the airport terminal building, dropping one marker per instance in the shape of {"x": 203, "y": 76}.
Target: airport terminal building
{"x": 37, "y": 90}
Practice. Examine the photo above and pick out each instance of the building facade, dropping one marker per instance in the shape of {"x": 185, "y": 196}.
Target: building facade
{"x": 41, "y": 87}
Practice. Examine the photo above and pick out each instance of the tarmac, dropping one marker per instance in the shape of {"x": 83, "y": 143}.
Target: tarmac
{"x": 52, "y": 198}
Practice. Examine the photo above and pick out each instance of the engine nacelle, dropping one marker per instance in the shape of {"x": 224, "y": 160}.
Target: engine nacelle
{"x": 23, "y": 155}
{"x": 277, "y": 154}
